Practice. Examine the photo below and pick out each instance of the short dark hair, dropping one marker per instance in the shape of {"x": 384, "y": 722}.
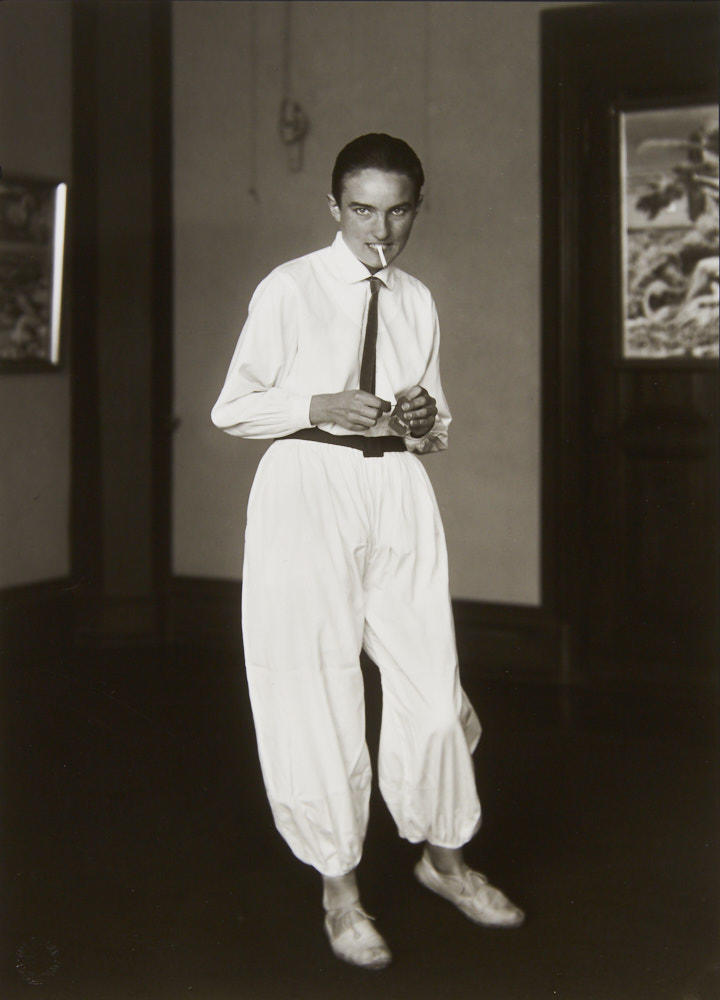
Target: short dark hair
{"x": 384, "y": 152}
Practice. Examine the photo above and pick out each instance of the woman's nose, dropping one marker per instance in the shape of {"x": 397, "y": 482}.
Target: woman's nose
{"x": 381, "y": 227}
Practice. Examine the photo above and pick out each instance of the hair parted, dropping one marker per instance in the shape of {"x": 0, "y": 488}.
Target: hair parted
{"x": 384, "y": 152}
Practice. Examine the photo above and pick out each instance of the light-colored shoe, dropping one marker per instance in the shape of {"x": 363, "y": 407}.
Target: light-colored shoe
{"x": 353, "y": 938}
{"x": 472, "y": 894}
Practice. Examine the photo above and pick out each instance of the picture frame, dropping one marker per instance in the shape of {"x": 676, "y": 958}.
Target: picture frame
{"x": 32, "y": 249}
{"x": 668, "y": 221}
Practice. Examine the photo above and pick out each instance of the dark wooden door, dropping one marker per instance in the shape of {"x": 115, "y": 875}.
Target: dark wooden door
{"x": 634, "y": 453}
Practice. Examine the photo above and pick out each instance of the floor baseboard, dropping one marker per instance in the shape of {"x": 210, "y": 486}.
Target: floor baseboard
{"x": 494, "y": 640}
{"x": 37, "y": 618}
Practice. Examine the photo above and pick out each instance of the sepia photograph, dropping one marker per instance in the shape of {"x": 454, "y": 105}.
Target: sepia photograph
{"x": 359, "y": 514}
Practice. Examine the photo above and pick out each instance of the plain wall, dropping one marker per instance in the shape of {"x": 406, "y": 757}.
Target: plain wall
{"x": 460, "y": 82}
{"x": 35, "y": 140}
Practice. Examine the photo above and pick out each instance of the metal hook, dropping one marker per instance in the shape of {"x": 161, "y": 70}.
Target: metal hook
{"x": 293, "y": 126}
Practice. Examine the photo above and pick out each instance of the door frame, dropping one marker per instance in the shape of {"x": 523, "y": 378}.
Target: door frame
{"x": 86, "y": 530}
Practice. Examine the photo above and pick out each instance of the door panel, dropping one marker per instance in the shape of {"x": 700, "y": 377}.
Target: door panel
{"x": 637, "y": 521}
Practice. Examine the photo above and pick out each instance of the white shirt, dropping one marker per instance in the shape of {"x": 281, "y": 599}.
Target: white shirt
{"x": 304, "y": 336}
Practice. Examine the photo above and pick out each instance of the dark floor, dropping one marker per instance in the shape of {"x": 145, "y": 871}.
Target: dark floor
{"x": 141, "y": 861}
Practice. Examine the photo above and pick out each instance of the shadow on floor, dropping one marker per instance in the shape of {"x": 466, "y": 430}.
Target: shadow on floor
{"x": 141, "y": 860}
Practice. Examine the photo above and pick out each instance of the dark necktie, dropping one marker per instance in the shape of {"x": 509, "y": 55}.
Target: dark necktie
{"x": 367, "y": 368}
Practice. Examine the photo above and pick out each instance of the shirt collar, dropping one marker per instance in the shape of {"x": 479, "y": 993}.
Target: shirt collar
{"x": 350, "y": 269}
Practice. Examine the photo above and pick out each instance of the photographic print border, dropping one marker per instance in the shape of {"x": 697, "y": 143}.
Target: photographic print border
{"x": 33, "y": 214}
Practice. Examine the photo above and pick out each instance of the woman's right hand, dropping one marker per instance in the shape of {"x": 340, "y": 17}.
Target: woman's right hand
{"x": 354, "y": 409}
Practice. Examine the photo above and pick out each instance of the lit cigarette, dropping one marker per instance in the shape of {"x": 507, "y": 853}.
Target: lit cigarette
{"x": 379, "y": 248}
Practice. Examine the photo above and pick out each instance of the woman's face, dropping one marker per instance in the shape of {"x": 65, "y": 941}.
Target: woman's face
{"x": 376, "y": 206}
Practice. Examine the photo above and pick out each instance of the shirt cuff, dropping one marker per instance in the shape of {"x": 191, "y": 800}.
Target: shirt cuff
{"x": 434, "y": 440}
{"x": 301, "y": 412}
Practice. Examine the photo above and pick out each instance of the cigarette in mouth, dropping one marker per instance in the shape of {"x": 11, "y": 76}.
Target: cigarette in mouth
{"x": 379, "y": 248}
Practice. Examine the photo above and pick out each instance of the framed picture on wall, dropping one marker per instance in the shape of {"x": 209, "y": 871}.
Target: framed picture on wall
{"x": 669, "y": 233}
{"x": 32, "y": 243}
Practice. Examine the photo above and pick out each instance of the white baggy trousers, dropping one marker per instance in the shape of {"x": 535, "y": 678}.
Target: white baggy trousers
{"x": 344, "y": 552}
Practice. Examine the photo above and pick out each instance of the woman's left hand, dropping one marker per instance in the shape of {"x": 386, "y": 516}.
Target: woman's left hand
{"x": 414, "y": 412}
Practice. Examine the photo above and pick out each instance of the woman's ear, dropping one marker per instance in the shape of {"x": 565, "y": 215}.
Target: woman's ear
{"x": 334, "y": 207}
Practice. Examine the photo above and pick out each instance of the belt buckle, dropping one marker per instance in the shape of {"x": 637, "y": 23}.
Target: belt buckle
{"x": 372, "y": 448}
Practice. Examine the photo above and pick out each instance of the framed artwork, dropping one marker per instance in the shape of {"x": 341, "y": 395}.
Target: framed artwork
{"x": 32, "y": 242}
{"x": 669, "y": 233}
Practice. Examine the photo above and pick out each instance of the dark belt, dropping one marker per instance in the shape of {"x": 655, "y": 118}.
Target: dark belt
{"x": 371, "y": 447}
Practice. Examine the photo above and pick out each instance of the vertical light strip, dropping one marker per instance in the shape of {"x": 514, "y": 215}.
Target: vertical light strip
{"x": 57, "y": 271}
{"x": 621, "y": 125}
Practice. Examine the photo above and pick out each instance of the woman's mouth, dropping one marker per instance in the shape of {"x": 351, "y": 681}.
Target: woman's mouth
{"x": 380, "y": 249}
